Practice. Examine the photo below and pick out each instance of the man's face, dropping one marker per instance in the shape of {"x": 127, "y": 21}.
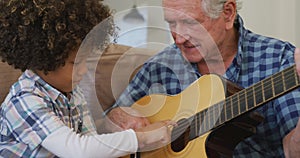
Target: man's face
{"x": 197, "y": 35}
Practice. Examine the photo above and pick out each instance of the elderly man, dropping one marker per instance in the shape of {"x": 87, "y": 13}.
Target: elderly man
{"x": 210, "y": 38}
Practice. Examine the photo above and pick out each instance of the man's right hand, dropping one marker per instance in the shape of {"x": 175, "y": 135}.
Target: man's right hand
{"x": 122, "y": 118}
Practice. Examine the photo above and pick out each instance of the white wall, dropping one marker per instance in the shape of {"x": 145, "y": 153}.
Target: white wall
{"x": 275, "y": 18}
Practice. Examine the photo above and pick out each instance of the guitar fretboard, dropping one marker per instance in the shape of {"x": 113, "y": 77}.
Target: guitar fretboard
{"x": 244, "y": 101}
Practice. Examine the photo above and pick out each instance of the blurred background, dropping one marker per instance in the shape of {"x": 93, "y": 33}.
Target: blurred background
{"x": 275, "y": 18}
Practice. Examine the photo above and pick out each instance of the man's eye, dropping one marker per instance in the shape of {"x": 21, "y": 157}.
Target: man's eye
{"x": 171, "y": 23}
{"x": 191, "y": 22}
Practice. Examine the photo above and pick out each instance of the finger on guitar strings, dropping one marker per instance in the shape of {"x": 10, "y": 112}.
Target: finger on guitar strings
{"x": 170, "y": 123}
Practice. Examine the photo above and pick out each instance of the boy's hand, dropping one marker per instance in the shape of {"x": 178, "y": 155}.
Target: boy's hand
{"x": 155, "y": 135}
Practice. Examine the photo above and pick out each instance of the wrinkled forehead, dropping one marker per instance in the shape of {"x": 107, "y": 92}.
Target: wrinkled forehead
{"x": 181, "y": 8}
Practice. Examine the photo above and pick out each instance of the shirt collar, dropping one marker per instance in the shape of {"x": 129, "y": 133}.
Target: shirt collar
{"x": 242, "y": 33}
{"x": 53, "y": 93}
{"x": 186, "y": 63}
{"x": 232, "y": 73}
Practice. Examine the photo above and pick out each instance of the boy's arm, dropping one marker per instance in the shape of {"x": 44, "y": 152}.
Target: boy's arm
{"x": 66, "y": 143}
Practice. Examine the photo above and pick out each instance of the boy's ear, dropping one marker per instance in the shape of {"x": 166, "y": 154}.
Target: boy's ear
{"x": 229, "y": 12}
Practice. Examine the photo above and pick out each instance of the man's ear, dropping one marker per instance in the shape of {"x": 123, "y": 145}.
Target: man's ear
{"x": 229, "y": 12}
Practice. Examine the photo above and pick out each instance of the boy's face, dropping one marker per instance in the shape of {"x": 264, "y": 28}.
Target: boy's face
{"x": 66, "y": 77}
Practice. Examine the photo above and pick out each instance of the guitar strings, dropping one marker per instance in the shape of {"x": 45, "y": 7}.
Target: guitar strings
{"x": 202, "y": 126}
{"x": 235, "y": 100}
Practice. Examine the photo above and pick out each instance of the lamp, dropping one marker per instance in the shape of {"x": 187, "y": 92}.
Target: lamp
{"x": 134, "y": 16}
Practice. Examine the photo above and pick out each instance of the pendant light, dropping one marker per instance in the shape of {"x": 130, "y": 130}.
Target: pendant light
{"x": 134, "y": 16}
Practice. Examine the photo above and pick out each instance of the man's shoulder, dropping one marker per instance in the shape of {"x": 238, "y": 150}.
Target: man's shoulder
{"x": 263, "y": 40}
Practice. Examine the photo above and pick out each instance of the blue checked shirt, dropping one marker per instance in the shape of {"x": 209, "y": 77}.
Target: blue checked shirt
{"x": 257, "y": 58}
{"x": 33, "y": 110}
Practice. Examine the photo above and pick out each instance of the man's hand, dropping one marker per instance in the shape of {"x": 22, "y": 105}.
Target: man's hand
{"x": 297, "y": 60}
{"x": 291, "y": 142}
{"x": 122, "y": 118}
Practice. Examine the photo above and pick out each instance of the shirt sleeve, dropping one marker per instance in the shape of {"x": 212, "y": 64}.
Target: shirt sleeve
{"x": 287, "y": 107}
{"x": 288, "y": 111}
{"x": 29, "y": 120}
{"x": 66, "y": 143}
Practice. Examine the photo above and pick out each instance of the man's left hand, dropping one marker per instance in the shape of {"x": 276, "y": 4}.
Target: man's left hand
{"x": 291, "y": 142}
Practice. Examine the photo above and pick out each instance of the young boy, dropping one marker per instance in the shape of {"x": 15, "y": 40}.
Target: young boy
{"x": 45, "y": 113}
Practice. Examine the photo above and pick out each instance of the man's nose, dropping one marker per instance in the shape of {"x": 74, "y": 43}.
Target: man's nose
{"x": 181, "y": 38}
{"x": 181, "y": 34}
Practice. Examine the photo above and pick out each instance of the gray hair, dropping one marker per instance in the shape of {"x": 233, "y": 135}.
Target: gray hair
{"x": 214, "y": 7}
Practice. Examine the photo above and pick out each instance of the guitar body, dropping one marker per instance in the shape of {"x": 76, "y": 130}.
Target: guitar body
{"x": 213, "y": 114}
{"x": 206, "y": 91}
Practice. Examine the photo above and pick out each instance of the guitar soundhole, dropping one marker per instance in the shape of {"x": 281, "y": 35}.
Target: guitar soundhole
{"x": 180, "y": 135}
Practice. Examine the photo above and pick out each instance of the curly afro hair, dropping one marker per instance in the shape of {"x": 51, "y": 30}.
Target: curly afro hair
{"x": 40, "y": 34}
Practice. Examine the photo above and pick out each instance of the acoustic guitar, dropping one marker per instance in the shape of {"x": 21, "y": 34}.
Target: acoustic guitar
{"x": 213, "y": 114}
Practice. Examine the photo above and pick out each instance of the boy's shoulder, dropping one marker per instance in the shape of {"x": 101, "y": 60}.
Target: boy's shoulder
{"x": 23, "y": 85}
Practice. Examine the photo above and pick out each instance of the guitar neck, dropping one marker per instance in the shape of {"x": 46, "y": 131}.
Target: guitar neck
{"x": 244, "y": 101}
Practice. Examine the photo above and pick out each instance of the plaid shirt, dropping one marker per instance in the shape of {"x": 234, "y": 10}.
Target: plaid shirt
{"x": 33, "y": 110}
{"x": 257, "y": 58}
